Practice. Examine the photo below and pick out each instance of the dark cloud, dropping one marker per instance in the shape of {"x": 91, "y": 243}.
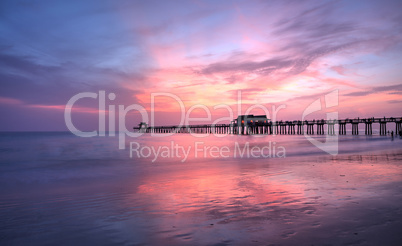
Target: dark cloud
{"x": 17, "y": 64}
{"x": 397, "y": 87}
{"x": 359, "y": 93}
{"x": 22, "y": 78}
{"x": 316, "y": 24}
{"x": 292, "y": 65}
{"x": 308, "y": 32}
{"x": 311, "y": 97}
{"x": 391, "y": 89}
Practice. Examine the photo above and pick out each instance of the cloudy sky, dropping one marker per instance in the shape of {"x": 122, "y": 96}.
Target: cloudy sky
{"x": 275, "y": 52}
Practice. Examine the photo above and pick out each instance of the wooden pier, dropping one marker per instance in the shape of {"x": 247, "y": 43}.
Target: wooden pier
{"x": 265, "y": 126}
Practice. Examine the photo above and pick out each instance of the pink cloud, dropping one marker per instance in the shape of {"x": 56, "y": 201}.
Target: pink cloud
{"x": 76, "y": 109}
{"x": 7, "y": 100}
{"x": 339, "y": 69}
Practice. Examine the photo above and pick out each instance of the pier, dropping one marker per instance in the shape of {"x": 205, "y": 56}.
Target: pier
{"x": 259, "y": 124}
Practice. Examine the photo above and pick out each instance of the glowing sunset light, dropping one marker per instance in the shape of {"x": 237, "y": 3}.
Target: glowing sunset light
{"x": 274, "y": 52}
{"x": 200, "y": 122}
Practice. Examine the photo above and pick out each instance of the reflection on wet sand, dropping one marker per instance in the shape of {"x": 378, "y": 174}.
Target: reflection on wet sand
{"x": 71, "y": 191}
{"x": 268, "y": 202}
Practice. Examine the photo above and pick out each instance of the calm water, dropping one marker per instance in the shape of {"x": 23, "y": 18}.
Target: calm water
{"x": 59, "y": 189}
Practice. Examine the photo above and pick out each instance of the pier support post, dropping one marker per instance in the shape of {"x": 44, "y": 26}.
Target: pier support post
{"x": 398, "y": 126}
{"x": 331, "y": 129}
{"x": 291, "y": 129}
{"x": 342, "y": 128}
{"x": 320, "y": 128}
{"x": 383, "y": 128}
{"x": 300, "y": 128}
{"x": 368, "y": 128}
{"x": 355, "y": 128}
{"x": 310, "y": 129}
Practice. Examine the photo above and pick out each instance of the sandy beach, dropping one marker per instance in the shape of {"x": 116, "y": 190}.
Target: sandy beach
{"x": 57, "y": 193}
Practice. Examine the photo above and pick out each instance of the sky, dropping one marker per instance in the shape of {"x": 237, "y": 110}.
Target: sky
{"x": 275, "y": 54}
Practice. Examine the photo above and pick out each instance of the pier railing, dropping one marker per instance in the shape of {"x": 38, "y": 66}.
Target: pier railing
{"x": 282, "y": 127}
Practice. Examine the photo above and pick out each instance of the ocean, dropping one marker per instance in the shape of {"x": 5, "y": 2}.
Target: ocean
{"x": 60, "y": 189}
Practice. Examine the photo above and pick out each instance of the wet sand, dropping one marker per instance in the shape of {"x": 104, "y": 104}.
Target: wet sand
{"x": 103, "y": 197}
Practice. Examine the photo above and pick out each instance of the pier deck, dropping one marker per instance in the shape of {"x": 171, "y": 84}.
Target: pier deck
{"x": 281, "y": 127}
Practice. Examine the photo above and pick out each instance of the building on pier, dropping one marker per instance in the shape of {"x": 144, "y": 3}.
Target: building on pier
{"x": 251, "y": 120}
{"x": 142, "y": 127}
